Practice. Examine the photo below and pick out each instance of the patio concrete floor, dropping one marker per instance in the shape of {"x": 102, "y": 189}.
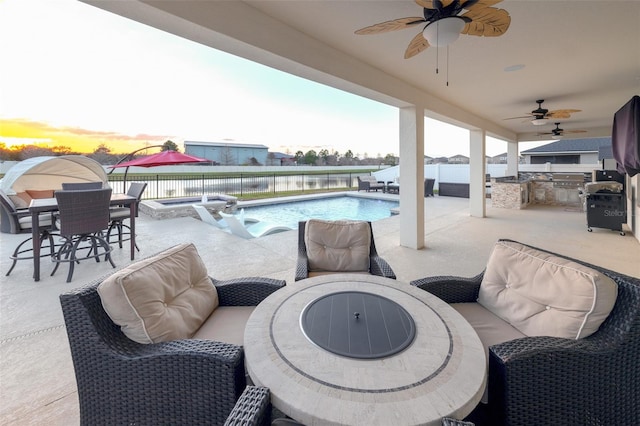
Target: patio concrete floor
{"x": 37, "y": 383}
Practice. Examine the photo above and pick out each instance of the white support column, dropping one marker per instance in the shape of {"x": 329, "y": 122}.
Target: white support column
{"x": 477, "y": 170}
{"x": 412, "y": 177}
{"x": 512, "y": 159}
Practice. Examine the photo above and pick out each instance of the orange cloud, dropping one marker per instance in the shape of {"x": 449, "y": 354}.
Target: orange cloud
{"x": 28, "y": 132}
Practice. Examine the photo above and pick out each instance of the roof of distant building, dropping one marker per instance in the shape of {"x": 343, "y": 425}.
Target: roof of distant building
{"x": 227, "y": 144}
{"x": 571, "y": 145}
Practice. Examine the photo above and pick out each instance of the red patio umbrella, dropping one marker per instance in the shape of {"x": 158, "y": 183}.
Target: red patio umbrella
{"x": 164, "y": 158}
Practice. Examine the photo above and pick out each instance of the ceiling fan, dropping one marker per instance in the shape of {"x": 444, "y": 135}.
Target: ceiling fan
{"x": 445, "y": 21}
{"x": 541, "y": 116}
{"x": 558, "y": 133}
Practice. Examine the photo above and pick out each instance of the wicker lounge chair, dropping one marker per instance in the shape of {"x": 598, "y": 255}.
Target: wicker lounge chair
{"x": 551, "y": 380}
{"x": 256, "y": 230}
{"x": 176, "y": 382}
{"x": 368, "y": 183}
{"x": 19, "y": 221}
{"x": 377, "y": 265}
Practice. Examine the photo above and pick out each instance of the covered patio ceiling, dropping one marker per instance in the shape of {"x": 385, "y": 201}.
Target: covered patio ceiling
{"x": 575, "y": 55}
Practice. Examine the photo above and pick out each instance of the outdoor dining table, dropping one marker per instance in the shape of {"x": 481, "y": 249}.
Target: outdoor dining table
{"x": 41, "y": 205}
{"x": 356, "y": 349}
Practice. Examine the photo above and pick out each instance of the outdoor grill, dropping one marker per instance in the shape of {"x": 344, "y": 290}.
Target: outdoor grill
{"x": 605, "y": 203}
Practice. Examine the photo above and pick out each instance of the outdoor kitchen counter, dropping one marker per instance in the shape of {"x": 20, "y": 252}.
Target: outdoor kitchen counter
{"x": 562, "y": 189}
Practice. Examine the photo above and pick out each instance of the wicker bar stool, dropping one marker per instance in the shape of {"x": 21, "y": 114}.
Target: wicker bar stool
{"x": 83, "y": 216}
{"x": 117, "y": 215}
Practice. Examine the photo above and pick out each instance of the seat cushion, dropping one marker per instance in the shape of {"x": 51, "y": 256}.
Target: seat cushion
{"x": 340, "y": 245}
{"x": 44, "y": 221}
{"x": 541, "y": 294}
{"x": 165, "y": 297}
{"x": 226, "y": 324}
{"x": 490, "y": 328}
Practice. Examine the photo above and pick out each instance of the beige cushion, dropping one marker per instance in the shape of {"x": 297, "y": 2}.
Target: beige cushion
{"x": 20, "y": 200}
{"x": 226, "y": 324}
{"x": 545, "y": 295}
{"x": 165, "y": 297}
{"x": 490, "y": 329}
{"x": 340, "y": 245}
{"x": 44, "y": 220}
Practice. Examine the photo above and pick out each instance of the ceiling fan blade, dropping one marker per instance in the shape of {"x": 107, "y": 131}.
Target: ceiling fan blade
{"x": 417, "y": 45}
{"x": 561, "y": 113}
{"x": 487, "y": 22}
{"x": 514, "y": 118}
{"x": 480, "y": 4}
{"x": 575, "y": 131}
{"x": 394, "y": 25}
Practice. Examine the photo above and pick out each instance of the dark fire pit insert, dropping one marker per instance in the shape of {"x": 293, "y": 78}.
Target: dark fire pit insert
{"x": 357, "y": 324}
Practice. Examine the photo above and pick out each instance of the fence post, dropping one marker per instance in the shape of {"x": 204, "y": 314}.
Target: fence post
{"x": 241, "y": 184}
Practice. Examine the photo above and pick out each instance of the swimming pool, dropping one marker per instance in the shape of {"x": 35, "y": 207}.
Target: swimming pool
{"x": 332, "y": 208}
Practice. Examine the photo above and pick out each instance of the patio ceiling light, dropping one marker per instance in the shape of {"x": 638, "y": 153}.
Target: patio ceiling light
{"x": 539, "y": 121}
{"x": 443, "y": 31}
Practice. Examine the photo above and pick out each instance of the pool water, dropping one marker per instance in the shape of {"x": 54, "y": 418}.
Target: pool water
{"x": 335, "y": 208}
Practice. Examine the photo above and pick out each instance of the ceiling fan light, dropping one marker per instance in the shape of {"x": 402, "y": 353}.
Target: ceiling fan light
{"x": 539, "y": 121}
{"x": 443, "y": 31}
{"x": 556, "y": 137}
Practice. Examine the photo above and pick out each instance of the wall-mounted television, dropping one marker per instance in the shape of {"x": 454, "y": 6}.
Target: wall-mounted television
{"x": 625, "y": 137}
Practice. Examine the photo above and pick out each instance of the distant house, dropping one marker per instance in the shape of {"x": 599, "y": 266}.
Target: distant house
{"x": 280, "y": 159}
{"x": 459, "y": 159}
{"x": 228, "y": 154}
{"x": 567, "y": 151}
{"x": 428, "y": 160}
{"x": 498, "y": 159}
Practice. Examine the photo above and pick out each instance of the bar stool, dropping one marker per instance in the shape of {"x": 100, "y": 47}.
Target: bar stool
{"x": 83, "y": 216}
{"x": 117, "y": 215}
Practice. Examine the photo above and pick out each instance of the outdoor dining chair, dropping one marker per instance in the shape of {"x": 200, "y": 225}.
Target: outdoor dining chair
{"x": 83, "y": 216}
{"x": 74, "y": 186}
{"x": 117, "y": 215}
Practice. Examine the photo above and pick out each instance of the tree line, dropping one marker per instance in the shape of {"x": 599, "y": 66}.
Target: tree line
{"x": 325, "y": 158}
{"x": 103, "y": 155}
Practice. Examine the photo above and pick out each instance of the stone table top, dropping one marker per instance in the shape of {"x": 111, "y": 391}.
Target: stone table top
{"x": 441, "y": 373}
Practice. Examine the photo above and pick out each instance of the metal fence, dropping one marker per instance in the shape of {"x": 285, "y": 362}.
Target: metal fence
{"x": 175, "y": 185}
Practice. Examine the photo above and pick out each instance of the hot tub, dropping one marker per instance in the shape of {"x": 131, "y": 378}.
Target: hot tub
{"x": 181, "y": 207}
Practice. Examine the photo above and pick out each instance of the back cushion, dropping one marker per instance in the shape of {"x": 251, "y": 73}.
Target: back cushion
{"x": 21, "y": 200}
{"x": 340, "y": 245}
{"x": 165, "y": 297}
{"x": 545, "y": 295}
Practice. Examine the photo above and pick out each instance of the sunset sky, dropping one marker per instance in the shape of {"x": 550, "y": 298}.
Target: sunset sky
{"x": 74, "y": 75}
